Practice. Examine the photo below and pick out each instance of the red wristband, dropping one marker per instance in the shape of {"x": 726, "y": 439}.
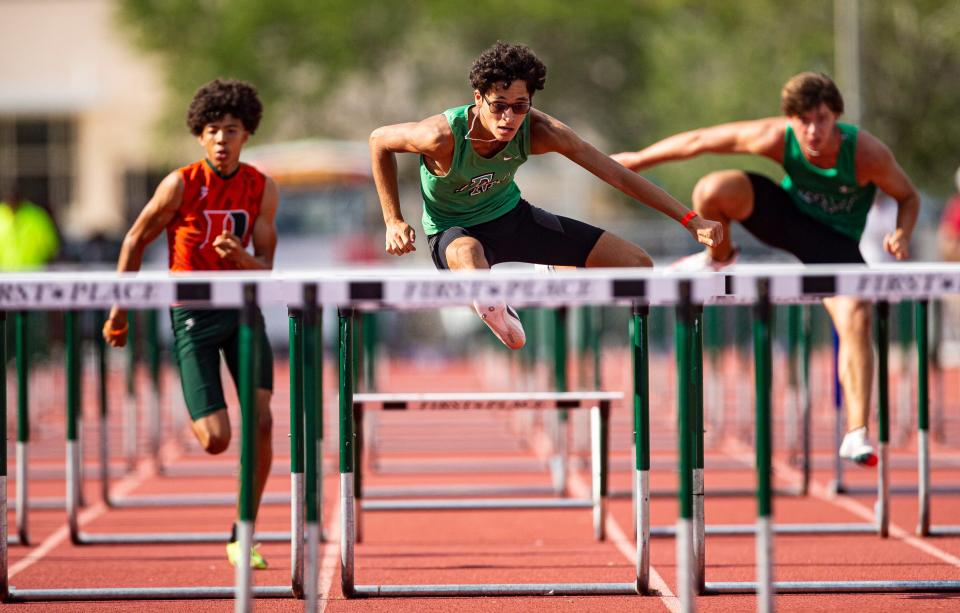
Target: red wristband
{"x": 686, "y": 218}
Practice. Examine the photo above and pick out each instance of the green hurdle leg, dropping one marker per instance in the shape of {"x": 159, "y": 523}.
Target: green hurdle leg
{"x": 921, "y": 317}
{"x": 347, "y": 447}
{"x": 806, "y": 400}
{"x": 101, "y": 348}
{"x": 153, "y": 358}
{"x": 883, "y": 418}
{"x": 560, "y": 361}
{"x": 683, "y": 333}
{"x": 247, "y": 386}
{"x": 904, "y": 391}
{"x": 370, "y": 344}
{"x": 641, "y": 441}
{"x": 317, "y": 339}
{"x": 22, "y": 349}
{"x": 72, "y": 349}
{"x": 312, "y": 356}
{"x": 130, "y": 398}
{"x": 699, "y": 529}
{"x": 763, "y": 377}
{"x": 295, "y": 325}
{"x": 358, "y": 424}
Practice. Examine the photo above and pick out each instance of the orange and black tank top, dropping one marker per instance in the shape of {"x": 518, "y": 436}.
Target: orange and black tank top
{"x": 211, "y": 204}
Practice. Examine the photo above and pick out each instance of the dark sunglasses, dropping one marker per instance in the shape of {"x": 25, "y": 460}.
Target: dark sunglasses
{"x": 499, "y": 108}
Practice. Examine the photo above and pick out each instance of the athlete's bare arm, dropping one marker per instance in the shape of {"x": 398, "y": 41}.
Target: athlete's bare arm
{"x": 149, "y": 224}
{"x": 758, "y": 137}
{"x": 876, "y": 164}
{"x": 431, "y": 138}
{"x": 548, "y": 134}
{"x": 230, "y": 247}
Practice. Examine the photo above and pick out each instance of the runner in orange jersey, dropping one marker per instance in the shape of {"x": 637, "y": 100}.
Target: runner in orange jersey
{"x": 212, "y": 211}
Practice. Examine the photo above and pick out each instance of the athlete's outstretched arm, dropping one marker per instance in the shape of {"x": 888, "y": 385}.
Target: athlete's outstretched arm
{"x": 149, "y": 224}
{"x": 876, "y": 164}
{"x": 759, "y": 137}
{"x": 430, "y": 138}
{"x": 552, "y": 135}
{"x": 230, "y": 246}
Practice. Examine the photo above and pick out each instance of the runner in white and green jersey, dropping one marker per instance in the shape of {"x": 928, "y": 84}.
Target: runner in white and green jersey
{"x": 817, "y": 213}
{"x": 473, "y": 214}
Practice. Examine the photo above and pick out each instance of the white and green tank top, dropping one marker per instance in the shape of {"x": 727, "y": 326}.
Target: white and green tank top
{"x": 830, "y": 195}
{"x": 476, "y": 189}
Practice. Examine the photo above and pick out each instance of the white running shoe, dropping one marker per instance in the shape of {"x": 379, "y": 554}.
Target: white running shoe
{"x": 857, "y": 448}
{"x": 702, "y": 262}
{"x": 503, "y": 321}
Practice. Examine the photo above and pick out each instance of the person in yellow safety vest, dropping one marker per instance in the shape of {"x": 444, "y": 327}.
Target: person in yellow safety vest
{"x": 28, "y": 235}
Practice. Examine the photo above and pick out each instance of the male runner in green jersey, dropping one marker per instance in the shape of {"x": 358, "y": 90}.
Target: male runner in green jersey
{"x": 473, "y": 213}
{"x": 817, "y": 213}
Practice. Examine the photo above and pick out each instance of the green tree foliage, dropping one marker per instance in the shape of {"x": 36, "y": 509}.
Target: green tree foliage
{"x": 623, "y": 73}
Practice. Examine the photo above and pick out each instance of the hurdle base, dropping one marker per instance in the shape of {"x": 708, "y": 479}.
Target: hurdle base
{"x": 751, "y": 529}
{"x": 834, "y": 587}
{"x": 141, "y": 593}
{"x": 494, "y": 589}
{"x": 146, "y": 538}
{"x": 477, "y": 503}
{"x": 190, "y": 500}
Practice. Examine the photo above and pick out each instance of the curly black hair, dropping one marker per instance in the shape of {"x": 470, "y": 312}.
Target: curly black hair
{"x": 506, "y": 63}
{"x": 222, "y": 97}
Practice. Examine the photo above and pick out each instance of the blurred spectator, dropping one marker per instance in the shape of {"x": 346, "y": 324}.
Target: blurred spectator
{"x": 28, "y": 235}
{"x": 949, "y": 231}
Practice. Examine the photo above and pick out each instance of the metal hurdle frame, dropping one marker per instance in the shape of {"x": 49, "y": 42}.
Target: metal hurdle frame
{"x": 868, "y": 285}
{"x": 74, "y": 460}
{"x": 155, "y": 427}
{"x": 924, "y": 488}
{"x": 162, "y": 290}
{"x": 557, "y": 464}
{"x": 352, "y": 405}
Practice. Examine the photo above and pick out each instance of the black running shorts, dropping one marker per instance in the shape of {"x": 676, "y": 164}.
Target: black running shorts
{"x": 524, "y": 234}
{"x": 199, "y": 336}
{"x": 778, "y": 222}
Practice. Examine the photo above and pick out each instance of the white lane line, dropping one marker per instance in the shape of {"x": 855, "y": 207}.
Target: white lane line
{"x": 122, "y": 488}
{"x": 330, "y": 557}
{"x": 580, "y": 489}
{"x": 819, "y": 491}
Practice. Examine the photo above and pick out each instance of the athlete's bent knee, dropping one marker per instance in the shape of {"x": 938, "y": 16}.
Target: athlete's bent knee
{"x": 464, "y": 254}
{"x": 215, "y": 443}
{"x": 714, "y": 189}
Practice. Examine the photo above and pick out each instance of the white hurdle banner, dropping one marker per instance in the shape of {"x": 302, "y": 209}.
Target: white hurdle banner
{"x": 423, "y": 288}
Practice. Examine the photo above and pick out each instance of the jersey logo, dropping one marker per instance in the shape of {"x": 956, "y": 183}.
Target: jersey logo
{"x": 218, "y": 222}
{"x": 204, "y": 190}
{"x": 482, "y": 183}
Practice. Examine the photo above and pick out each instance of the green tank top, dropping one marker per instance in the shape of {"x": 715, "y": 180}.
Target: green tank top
{"x": 829, "y": 195}
{"x": 476, "y": 189}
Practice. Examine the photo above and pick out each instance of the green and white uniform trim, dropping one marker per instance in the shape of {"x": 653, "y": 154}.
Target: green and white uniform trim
{"x": 476, "y": 189}
{"x": 829, "y": 195}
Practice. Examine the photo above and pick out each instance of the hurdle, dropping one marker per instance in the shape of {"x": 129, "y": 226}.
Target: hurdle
{"x": 867, "y": 284}
{"x": 58, "y": 291}
{"x": 923, "y": 463}
{"x": 556, "y": 464}
{"x": 412, "y": 291}
{"x": 74, "y": 461}
{"x": 154, "y": 420}
{"x": 921, "y": 318}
